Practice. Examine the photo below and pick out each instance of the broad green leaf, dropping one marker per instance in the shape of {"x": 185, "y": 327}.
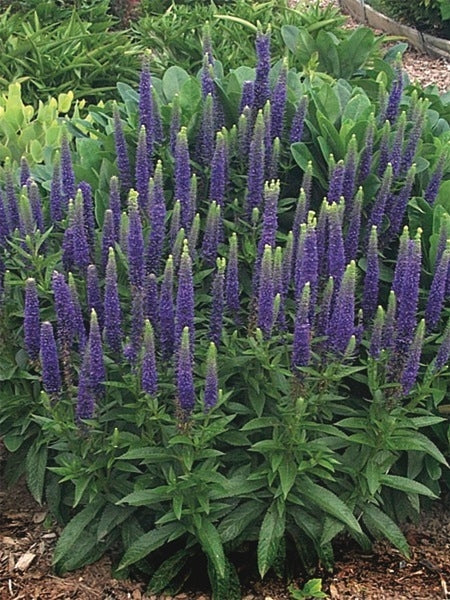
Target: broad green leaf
{"x": 239, "y": 519}
{"x": 290, "y": 35}
{"x": 379, "y": 522}
{"x": 36, "y": 464}
{"x": 73, "y": 531}
{"x": 149, "y": 542}
{"x": 167, "y": 571}
{"x": 406, "y": 485}
{"x": 270, "y": 534}
{"x": 287, "y": 471}
{"x": 211, "y": 544}
{"x": 173, "y": 80}
{"x": 147, "y": 497}
{"x": 418, "y": 441}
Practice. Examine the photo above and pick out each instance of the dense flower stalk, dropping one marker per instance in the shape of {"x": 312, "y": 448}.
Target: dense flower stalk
{"x": 88, "y": 211}
{"x": 178, "y": 247}
{"x": 85, "y": 397}
{"x": 306, "y": 265}
{"x": 183, "y": 177}
{"x": 342, "y": 326}
{"x": 78, "y": 324}
{"x": 115, "y": 205}
{"x": 395, "y": 155}
{"x": 288, "y": 256}
{"x": 93, "y": 294}
{"x": 300, "y": 216}
{"x": 219, "y": 171}
{"x": 67, "y": 174}
{"x": 443, "y": 353}
{"x": 408, "y": 295}
{"x": 35, "y": 205}
{"x": 194, "y": 235}
{"x": 379, "y": 206}
{"x": 298, "y": 122}
{"x": 278, "y": 103}
{"x": 350, "y": 167}
{"x": 390, "y": 321}
{"x": 151, "y": 301}
{"x": 384, "y": 149}
{"x": 185, "y": 299}
{"x": 376, "y": 339}
{"x": 397, "y": 208}
{"x": 123, "y": 161}
{"x": 437, "y": 291}
{"x": 135, "y": 244}
{"x": 336, "y": 183}
{"x": 146, "y": 114}
{"x": 149, "y": 373}
{"x": 270, "y": 221}
{"x": 81, "y": 252}
{"x": 67, "y": 244}
{"x": 64, "y": 311}
{"x": 56, "y": 199}
{"x": 433, "y": 186}
{"x": 142, "y": 170}
{"x": 247, "y": 96}
{"x": 274, "y": 163}
{"x": 158, "y": 132}
{"x": 232, "y": 277}
{"x": 211, "y": 379}
{"x": 27, "y": 224}
{"x": 336, "y": 252}
{"x": 322, "y": 236}
{"x": 261, "y": 87}
{"x": 51, "y": 377}
{"x": 301, "y": 353}
{"x": 351, "y": 243}
{"x": 157, "y": 223}
{"x": 167, "y": 312}
{"x": 371, "y": 280}
{"x": 255, "y": 180}
{"x": 267, "y": 116}
{"x": 266, "y": 294}
{"x": 133, "y": 347}
{"x": 411, "y": 369}
{"x": 97, "y": 373}
{"x": 185, "y": 379}
{"x": 217, "y": 303}
{"x": 365, "y": 162}
{"x": 31, "y": 323}
{"x": 207, "y": 132}
{"x": 402, "y": 261}
{"x": 108, "y": 236}
{"x": 193, "y": 197}
{"x": 123, "y": 235}
{"x": 175, "y": 123}
{"x": 395, "y": 96}
{"x": 207, "y": 77}
{"x": 24, "y": 171}
{"x": 244, "y": 134}
{"x": 409, "y": 152}
{"x": 112, "y": 312}
{"x": 211, "y": 235}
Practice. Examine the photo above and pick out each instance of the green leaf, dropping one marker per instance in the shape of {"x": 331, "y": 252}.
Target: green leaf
{"x": 270, "y": 534}
{"x": 173, "y": 80}
{"x": 378, "y": 522}
{"x": 239, "y": 519}
{"x": 211, "y": 544}
{"x": 36, "y": 464}
{"x": 406, "y": 485}
{"x": 167, "y": 571}
{"x": 149, "y": 542}
{"x": 287, "y": 472}
{"x": 418, "y": 441}
{"x": 329, "y": 503}
{"x": 147, "y": 497}
{"x": 290, "y": 35}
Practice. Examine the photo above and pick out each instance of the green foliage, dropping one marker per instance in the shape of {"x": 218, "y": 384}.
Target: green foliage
{"x": 311, "y": 589}
{"x": 428, "y": 15}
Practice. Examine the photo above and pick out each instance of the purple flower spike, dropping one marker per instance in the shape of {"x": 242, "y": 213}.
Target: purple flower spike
{"x": 158, "y": 133}
{"x": 64, "y": 311}
{"x": 211, "y": 380}
{"x": 232, "y": 277}
{"x": 298, "y": 122}
{"x": 323, "y": 318}
{"x": 207, "y": 43}
{"x": 175, "y": 123}
{"x": 379, "y": 206}
{"x": 166, "y": 311}
{"x": 31, "y": 323}
{"x": 56, "y": 199}
{"x": 146, "y": 114}
{"x": 27, "y": 224}
{"x": 262, "y": 89}
{"x": 413, "y": 141}
{"x": 112, "y": 312}
{"x": 384, "y": 149}
{"x": 157, "y": 223}
{"x": 350, "y": 167}
{"x": 390, "y": 321}
{"x": 143, "y": 170}
{"x": 219, "y": 171}
{"x": 81, "y": 252}
{"x": 175, "y": 222}
{"x": 51, "y": 377}
{"x": 244, "y": 134}
{"x": 108, "y": 236}
{"x": 336, "y": 253}
{"x": 255, "y": 180}
{"x": 193, "y": 198}
{"x": 67, "y": 246}
{"x": 185, "y": 298}
{"x": 93, "y": 294}
{"x": 88, "y": 210}
{"x": 114, "y": 205}
{"x": 433, "y": 187}
{"x": 135, "y": 244}
{"x": 97, "y": 373}
{"x": 408, "y": 295}
{"x": 151, "y": 304}
{"x": 35, "y": 205}
{"x": 217, "y": 303}
{"x": 270, "y": 221}
{"x": 24, "y": 171}
{"x": 178, "y": 247}
{"x": 397, "y": 209}
{"x": 322, "y": 236}
{"x": 336, "y": 183}
{"x": 194, "y": 234}
{"x": 395, "y": 96}
{"x": 266, "y": 294}
{"x": 288, "y": 256}
{"x": 275, "y": 159}
{"x": 67, "y": 174}
{"x": 396, "y": 153}
{"x": 437, "y": 292}
{"x": 306, "y": 267}
{"x": 183, "y": 177}
{"x": 371, "y": 280}
{"x": 342, "y": 323}
{"x": 132, "y": 349}
{"x": 211, "y": 235}
{"x": 85, "y": 397}
{"x": 185, "y": 379}
{"x": 365, "y": 163}
{"x": 267, "y": 138}
{"x": 149, "y": 373}
{"x": 443, "y": 354}
{"x": 402, "y": 262}
{"x": 123, "y": 161}
{"x": 301, "y": 352}
{"x": 411, "y": 369}
{"x": 248, "y": 93}
{"x": 207, "y": 132}
{"x": 376, "y": 339}
{"x": 78, "y": 324}
{"x": 278, "y": 103}
{"x": 352, "y": 238}
{"x": 207, "y": 77}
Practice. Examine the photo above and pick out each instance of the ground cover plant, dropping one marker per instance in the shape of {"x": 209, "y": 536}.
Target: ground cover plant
{"x": 203, "y": 356}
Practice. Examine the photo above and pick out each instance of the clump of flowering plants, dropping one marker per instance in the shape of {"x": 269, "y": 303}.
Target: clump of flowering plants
{"x": 217, "y": 348}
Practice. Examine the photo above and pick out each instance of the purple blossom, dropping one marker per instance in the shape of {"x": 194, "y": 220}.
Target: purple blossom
{"x": 217, "y": 303}
{"x": 132, "y": 349}
{"x": 278, "y": 103}
{"x": 78, "y": 324}
{"x": 288, "y": 256}
{"x": 108, "y": 236}
{"x": 301, "y": 214}
{"x": 146, "y": 113}
{"x": 185, "y": 379}
{"x": 85, "y": 397}
{"x": 114, "y": 205}
{"x": 352, "y": 237}
{"x": 232, "y": 277}
{"x": 56, "y": 199}
{"x": 306, "y": 265}
{"x": 437, "y": 291}
{"x": 274, "y": 164}
{"x": 67, "y": 248}
{"x": 323, "y": 317}
{"x": 31, "y": 323}
{"x": 350, "y": 167}
{"x": 185, "y": 299}
{"x": 193, "y": 198}
{"x": 336, "y": 183}
{"x": 93, "y": 294}
{"x": 267, "y": 138}
{"x": 211, "y": 235}
{"x": 247, "y": 96}
{"x": 183, "y": 177}
{"x": 51, "y": 377}
{"x": 365, "y": 163}
{"x": 64, "y": 311}
{"x": 376, "y": 339}
{"x": 402, "y": 261}
{"x": 207, "y": 132}
{"x": 151, "y": 304}
{"x": 413, "y": 141}
{"x": 389, "y": 326}
{"x": 24, "y": 171}
{"x": 411, "y": 369}
{"x": 175, "y": 123}
{"x": 81, "y": 252}
{"x": 433, "y": 187}
{"x": 395, "y": 95}
{"x": 384, "y": 149}
{"x": 175, "y": 222}
{"x": 35, "y": 205}
{"x": 443, "y": 353}
{"x": 88, "y": 211}
{"x": 166, "y": 311}
{"x": 123, "y": 234}
{"x": 211, "y": 380}
{"x": 336, "y": 253}
{"x": 342, "y": 325}
{"x": 67, "y": 175}
{"x": 135, "y": 245}
{"x": 301, "y": 352}
{"x": 97, "y": 373}
{"x": 4, "y": 227}
{"x": 123, "y": 161}
{"x": 408, "y": 296}
{"x": 371, "y": 280}
{"x": 143, "y": 170}
{"x": 298, "y": 122}
{"x": 112, "y": 312}
{"x": 178, "y": 247}
{"x": 149, "y": 373}
{"x": 219, "y": 171}
{"x": 396, "y": 153}
{"x": 397, "y": 208}
{"x": 255, "y": 179}
{"x": 266, "y": 294}
{"x": 270, "y": 221}
{"x": 322, "y": 236}
{"x": 157, "y": 222}
{"x": 244, "y": 134}
{"x": 261, "y": 87}
{"x": 379, "y": 206}
{"x": 207, "y": 77}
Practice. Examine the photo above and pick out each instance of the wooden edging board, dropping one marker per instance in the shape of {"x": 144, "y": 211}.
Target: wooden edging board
{"x": 424, "y": 42}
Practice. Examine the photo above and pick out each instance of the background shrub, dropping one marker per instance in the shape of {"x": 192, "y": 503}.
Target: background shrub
{"x": 428, "y": 15}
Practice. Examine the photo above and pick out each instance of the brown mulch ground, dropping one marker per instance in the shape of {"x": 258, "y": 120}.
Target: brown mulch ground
{"x": 27, "y": 542}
